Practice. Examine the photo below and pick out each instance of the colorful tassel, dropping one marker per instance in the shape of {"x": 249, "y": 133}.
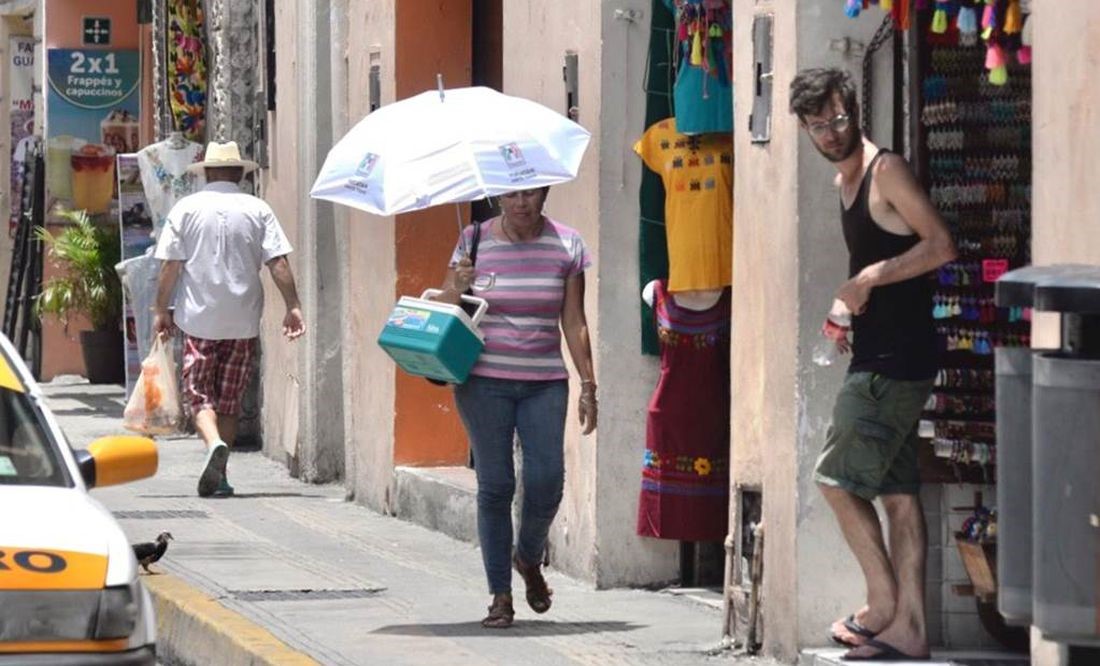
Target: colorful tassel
{"x": 988, "y": 16}
{"x": 1014, "y": 19}
{"x": 697, "y": 49}
{"x": 886, "y": 5}
{"x": 852, "y": 8}
{"x": 998, "y": 76}
{"x": 939, "y": 19}
{"x": 968, "y": 21}
{"x": 1025, "y": 34}
{"x": 901, "y": 14}
{"x": 1023, "y": 55}
{"x": 994, "y": 57}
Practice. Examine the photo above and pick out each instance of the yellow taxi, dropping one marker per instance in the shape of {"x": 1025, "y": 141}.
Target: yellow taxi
{"x": 69, "y": 588}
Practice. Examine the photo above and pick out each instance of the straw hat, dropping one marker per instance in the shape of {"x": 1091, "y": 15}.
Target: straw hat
{"x": 223, "y": 155}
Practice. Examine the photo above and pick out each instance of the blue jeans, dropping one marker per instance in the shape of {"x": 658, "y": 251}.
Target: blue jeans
{"x": 494, "y": 410}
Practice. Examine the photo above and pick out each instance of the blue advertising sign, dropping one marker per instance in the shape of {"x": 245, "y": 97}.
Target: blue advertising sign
{"x": 92, "y": 112}
{"x": 94, "y": 79}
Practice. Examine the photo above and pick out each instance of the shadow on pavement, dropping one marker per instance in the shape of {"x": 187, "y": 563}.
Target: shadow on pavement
{"x": 521, "y": 628}
{"x": 235, "y": 496}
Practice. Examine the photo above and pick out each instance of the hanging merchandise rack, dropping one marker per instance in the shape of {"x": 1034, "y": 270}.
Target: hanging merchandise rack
{"x": 976, "y": 129}
{"x": 21, "y": 326}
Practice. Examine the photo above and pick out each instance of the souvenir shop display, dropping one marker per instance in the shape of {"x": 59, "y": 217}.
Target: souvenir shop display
{"x": 685, "y": 473}
{"x": 976, "y": 125}
{"x": 999, "y": 26}
{"x": 186, "y": 60}
{"x": 697, "y": 172}
{"x": 703, "y": 91}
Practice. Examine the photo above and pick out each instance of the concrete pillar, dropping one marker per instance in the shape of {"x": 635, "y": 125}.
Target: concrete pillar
{"x": 1066, "y": 107}
{"x": 627, "y": 378}
{"x": 341, "y": 121}
{"x": 320, "y": 452}
{"x": 369, "y": 261}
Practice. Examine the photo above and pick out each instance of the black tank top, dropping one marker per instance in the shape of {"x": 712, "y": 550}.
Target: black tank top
{"x": 895, "y": 336}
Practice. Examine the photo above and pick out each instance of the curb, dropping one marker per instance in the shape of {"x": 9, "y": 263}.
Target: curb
{"x": 194, "y": 629}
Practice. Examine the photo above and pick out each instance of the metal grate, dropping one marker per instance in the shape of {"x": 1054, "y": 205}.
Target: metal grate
{"x": 303, "y": 595}
{"x": 162, "y": 514}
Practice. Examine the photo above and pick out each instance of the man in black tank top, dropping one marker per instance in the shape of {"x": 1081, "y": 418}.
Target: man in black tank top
{"x": 895, "y": 238}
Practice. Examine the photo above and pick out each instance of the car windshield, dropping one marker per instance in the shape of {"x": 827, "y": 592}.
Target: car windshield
{"x": 27, "y": 457}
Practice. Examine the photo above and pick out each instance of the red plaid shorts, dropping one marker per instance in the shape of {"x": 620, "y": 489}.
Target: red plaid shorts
{"x": 216, "y": 373}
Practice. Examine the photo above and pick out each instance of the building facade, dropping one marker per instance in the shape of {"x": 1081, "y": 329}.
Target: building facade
{"x": 335, "y": 408}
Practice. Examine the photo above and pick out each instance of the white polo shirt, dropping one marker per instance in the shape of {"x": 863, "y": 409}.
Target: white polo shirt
{"x": 224, "y": 237}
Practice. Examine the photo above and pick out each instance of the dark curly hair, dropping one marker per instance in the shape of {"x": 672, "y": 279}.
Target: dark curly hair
{"x": 811, "y": 90}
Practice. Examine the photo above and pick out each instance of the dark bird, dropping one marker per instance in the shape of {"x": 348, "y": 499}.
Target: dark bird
{"x": 151, "y": 551}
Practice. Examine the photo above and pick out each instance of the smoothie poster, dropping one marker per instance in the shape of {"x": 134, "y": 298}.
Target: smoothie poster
{"x": 91, "y": 115}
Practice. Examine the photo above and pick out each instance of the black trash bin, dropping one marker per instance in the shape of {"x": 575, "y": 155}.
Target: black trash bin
{"x": 1066, "y": 459}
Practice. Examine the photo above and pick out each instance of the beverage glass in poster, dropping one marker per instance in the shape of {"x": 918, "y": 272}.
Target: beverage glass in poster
{"x": 93, "y": 177}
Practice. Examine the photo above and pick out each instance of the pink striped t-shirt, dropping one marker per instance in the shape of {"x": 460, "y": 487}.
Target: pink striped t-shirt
{"x": 527, "y": 290}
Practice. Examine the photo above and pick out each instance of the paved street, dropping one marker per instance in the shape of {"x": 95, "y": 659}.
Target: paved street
{"x": 345, "y": 585}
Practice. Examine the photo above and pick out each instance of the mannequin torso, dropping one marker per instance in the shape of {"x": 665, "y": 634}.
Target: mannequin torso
{"x": 701, "y": 299}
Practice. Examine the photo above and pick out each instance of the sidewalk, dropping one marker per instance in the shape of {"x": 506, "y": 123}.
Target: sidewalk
{"x": 292, "y": 570}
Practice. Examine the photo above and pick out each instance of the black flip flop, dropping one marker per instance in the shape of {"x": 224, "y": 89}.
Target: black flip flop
{"x": 886, "y": 652}
{"x": 856, "y": 628}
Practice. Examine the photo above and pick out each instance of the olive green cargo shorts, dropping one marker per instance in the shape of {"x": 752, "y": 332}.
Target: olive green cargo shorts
{"x": 871, "y": 446}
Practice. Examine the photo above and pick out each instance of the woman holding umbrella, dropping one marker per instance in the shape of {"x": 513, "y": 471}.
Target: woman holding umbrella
{"x": 530, "y": 269}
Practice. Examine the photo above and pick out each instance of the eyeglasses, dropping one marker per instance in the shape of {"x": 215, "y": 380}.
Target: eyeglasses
{"x": 837, "y": 124}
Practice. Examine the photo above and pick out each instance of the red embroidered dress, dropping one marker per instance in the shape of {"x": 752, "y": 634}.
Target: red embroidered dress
{"x": 685, "y": 476}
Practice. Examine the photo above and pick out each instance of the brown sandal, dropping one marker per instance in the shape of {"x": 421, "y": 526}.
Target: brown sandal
{"x": 500, "y": 613}
{"x": 538, "y": 594}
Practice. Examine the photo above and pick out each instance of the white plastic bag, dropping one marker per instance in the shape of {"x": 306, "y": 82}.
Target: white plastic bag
{"x": 154, "y": 407}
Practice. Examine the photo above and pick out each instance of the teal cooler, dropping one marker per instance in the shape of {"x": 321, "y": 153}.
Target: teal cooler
{"x": 432, "y": 339}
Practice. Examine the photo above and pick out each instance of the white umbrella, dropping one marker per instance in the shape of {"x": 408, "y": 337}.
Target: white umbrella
{"x": 449, "y": 146}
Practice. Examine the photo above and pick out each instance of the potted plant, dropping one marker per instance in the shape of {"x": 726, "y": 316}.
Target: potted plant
{"x": 88, "y": 285}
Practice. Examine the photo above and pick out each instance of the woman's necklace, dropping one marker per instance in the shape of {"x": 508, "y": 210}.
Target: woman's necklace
{"x": 508, "y": 234}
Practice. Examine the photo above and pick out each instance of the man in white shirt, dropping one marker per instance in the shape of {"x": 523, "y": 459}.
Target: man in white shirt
{"x": 215, "y": 243}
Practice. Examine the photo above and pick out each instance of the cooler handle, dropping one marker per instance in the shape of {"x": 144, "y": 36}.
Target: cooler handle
{"x": 481, "y": 303}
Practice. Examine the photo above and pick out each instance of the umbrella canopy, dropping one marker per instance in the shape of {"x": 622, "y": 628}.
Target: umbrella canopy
{"x": 449, "y": 146}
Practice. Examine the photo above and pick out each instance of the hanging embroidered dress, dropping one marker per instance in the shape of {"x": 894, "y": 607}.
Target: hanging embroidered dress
{"x": 685, "y": 474}
{"x": 186, "y": 59}
{"x": 165, "y": 178}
